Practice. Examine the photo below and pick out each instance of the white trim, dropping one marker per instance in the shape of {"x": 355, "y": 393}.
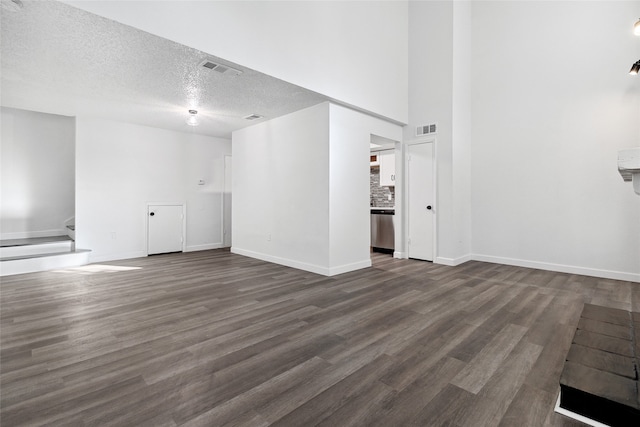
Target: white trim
{"x": 282, "y": 261}
{"x": 116, "y": 257}
{"x": 31, "y": 234}
{"x": 313, "y": 268}
{"x": 400, "y": 255}
{"x": 575, "y": 416}
{"x": 349, "y": 267}
{"x": 571, "y": 269}
{"x": 195, "y": 248}
{"x": 452, "y": 262}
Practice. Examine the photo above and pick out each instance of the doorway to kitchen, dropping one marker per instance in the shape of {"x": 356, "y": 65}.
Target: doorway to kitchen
{"x": 382, "y": 187}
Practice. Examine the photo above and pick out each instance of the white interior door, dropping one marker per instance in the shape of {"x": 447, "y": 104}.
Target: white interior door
{"x": 165, "y": 231}
{"x": 420, "y": 201}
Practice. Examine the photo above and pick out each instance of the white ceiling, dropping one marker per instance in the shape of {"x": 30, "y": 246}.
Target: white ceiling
{"x": 62, "y": 60}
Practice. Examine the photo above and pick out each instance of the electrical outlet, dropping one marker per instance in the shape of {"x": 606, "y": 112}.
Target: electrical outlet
{"x": 113, "y": 235}
{"x": 268, "y": 237}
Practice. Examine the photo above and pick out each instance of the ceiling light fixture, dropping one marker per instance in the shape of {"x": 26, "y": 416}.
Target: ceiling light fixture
{"x": 636, "y": 28}
{"x": 193, "y": 118}
{"x": 635, "y": 68}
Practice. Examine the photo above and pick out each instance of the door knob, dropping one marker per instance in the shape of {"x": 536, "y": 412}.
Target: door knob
{"x": 429, "y": 207}
{"x": 152, "y": 214}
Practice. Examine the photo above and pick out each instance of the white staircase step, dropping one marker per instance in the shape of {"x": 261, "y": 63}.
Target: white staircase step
{"x": 35, "y": 246}
{"x": 71, "y": 231}
{"x": 43, "y": 262}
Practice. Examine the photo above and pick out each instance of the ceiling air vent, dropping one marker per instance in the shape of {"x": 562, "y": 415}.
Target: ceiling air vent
{"x": 426, "y": 129}
{"x": 222, "y": 69}
{"x": 252, "y": 117}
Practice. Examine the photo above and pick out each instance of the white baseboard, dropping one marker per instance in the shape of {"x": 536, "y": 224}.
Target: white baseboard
{"x": 116, "y": 257}
{"x": 349, "y": 267}
{"x": 313, "y": 268}
{"x": 194, "y": 248}
{"x": 452, "y": 262}
{"x": 400, "y": 255}
{"x": 571, "y": 269}
{"x": 31, "y": 234}
{"x": 142, "y": 254}
{"x": 282, "y": 261}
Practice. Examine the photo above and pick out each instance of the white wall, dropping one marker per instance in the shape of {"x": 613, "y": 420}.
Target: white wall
{"x": 38, "y": 173}
{"x": 354, "y": 52}
{"x": 439, "y": 48}
{"x": 349, "y": 185}
{"x": 301, "y": 188}
{"x": 552, "y": 105}
{"x": 461, "y": 135}
{"x": 281, "y": 190}
{"x": 121, "y": 167}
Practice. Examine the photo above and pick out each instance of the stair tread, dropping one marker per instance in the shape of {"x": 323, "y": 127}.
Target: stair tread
{"x": 34, "y": 241}
{"x": 13, "y": 258}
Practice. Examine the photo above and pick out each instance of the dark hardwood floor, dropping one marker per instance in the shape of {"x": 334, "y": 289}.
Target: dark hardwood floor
{"x": 212, "y": 338}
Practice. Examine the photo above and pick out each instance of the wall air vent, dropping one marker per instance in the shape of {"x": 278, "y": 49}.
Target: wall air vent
{"x": 426, "y": 129}
{"x": 222, "y": 69}
{"x": 252, "y": 117}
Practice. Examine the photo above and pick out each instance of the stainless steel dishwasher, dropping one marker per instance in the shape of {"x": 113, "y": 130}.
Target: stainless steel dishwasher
{"x": 382, "y": 230}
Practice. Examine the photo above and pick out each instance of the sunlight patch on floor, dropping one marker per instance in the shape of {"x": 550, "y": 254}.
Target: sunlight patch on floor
{"x": 97, "y": 268}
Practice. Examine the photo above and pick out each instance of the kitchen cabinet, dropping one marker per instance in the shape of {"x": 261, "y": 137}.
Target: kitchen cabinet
{"x": 387, "y": 168}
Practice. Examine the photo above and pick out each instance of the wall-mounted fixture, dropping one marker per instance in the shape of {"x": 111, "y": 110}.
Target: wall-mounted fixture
{"x": 636, "y": 28}
{"x": 193, "y": 118}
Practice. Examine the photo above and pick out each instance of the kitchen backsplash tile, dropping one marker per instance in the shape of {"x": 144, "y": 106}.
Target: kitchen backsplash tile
{"x": 380, "y": 195}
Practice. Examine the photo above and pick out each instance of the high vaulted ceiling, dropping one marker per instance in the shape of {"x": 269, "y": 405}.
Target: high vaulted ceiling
{"x": 62, "y": 60}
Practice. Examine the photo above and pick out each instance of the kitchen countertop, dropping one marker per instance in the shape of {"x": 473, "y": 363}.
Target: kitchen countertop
{"x": 383, "y": 211}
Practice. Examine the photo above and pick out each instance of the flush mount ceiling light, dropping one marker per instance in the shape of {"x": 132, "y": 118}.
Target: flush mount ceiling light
{"x": 636, "y": 65}
{"x": 193, "y": 118}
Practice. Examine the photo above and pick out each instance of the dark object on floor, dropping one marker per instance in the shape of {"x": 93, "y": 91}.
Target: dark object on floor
{"x": 600, "y": 375}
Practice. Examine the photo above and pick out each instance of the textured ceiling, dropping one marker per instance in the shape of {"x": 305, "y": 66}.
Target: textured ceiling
{"x": 62, "y": 60}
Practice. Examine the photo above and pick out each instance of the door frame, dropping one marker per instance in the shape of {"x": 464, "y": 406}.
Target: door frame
{"x": 225, "y": 219}
{"x": 184, "y": 223}
{"x": 405, "y": 216}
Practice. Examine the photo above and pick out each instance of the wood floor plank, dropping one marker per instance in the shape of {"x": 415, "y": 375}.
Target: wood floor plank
{"x": 486, "y": 363}
{"x": 212, "y": 338}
